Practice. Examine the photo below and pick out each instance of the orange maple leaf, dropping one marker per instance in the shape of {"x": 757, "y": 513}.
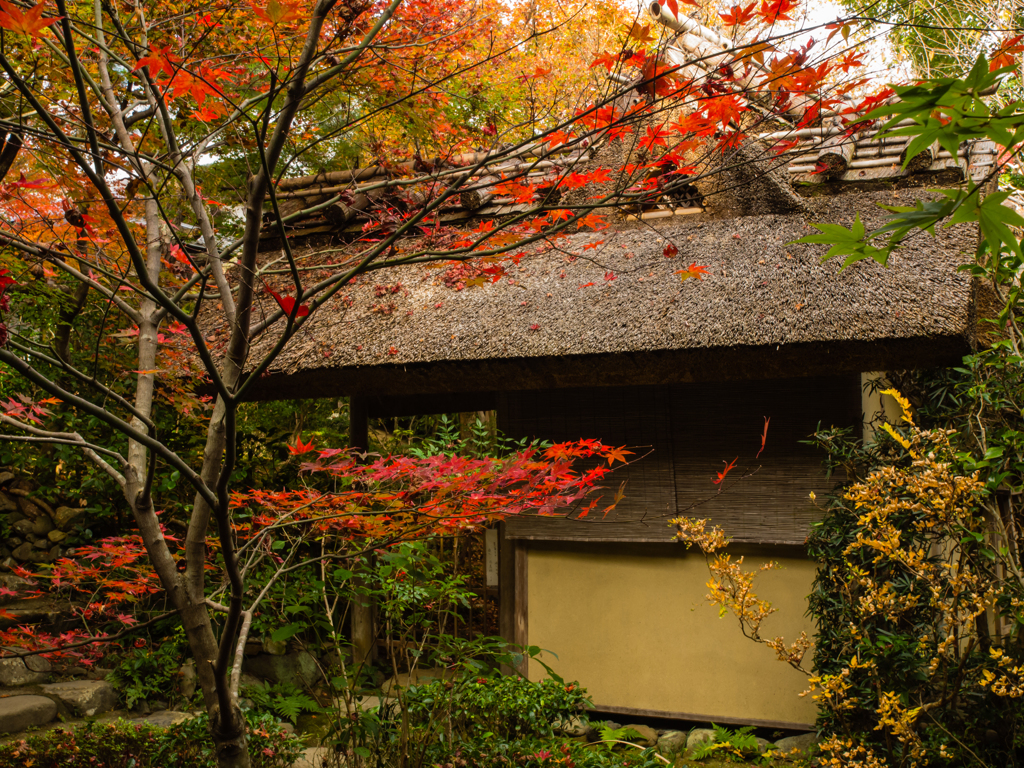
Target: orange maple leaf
{"x": 694, "y": 270}
{"x": 277, "y": 12}
{"x": 159, "y": 60}
{"x": 27, "y": 22}
{"x": 618, "y": 454}
{"x": 595, "y": 222}
{"x": 641, "y": 34}
{"x": 606, "y": 60}
{"x": 1005, "y": 54}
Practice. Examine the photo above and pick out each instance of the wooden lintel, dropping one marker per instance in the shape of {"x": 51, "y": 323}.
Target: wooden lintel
{"x": 706, "y": 717}
{"x": 379, "y": 406}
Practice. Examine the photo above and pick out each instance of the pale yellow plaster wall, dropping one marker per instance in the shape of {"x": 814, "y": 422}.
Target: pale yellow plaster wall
{"x": 635, "y": 630}
{"x": 876, "y": 407}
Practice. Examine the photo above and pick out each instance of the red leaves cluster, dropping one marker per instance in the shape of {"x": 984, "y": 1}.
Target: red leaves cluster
{"x": 471, "y": 274}
{"x": 738, "y": 15}
{"x": 106, "y": 583}
{"x": 25, "y": 409}
{"x": 772, "y": 11}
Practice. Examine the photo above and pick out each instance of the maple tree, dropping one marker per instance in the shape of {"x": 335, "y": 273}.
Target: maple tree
{"x": 125, "y": 122}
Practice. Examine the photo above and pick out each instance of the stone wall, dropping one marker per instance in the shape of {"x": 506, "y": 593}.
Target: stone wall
{"x": 35, "y": 528}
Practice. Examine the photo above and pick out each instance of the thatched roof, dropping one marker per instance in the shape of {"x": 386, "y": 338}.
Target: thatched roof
{"x": 765, "y": 309}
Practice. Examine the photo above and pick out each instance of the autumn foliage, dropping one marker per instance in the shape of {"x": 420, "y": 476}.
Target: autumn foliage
{"x": 143, "y": 153}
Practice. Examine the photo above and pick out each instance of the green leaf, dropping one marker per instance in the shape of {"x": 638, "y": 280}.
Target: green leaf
{"x": 287, "y": 631}
{"x": 846, "y": 241}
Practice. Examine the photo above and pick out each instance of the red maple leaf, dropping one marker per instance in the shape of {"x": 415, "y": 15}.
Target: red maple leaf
{"x": 738, "y": 15}
{"x": 764, "y": 435}
{"x": 657, "y": 135}
{"x": 722, "y": 110}
{"x": 557, "y": 138}
{"x": 25, "y": 22}
{"x": 287, "y": 304}
{"x": 300, "y": 447}
{"x": 776, "y": 10}
{"x": 670, "y": 251}
{"x": 726, "y": 471}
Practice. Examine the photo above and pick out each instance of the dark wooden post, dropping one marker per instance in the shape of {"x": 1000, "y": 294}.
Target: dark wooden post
{"x": 512, "y": 615}
{"x": 358, "y": 424}
{"x": 363, "y": 633}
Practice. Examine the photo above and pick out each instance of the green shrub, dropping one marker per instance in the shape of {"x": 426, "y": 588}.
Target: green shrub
{"x": 188, "y": 744}
{"x": 547, "y": 753}
{"x": 505, "y": 707}
{"x": 123, "y": 744}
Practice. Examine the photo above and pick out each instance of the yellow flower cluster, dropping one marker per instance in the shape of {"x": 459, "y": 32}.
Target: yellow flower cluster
{"x": 837, "y": 752}
{"x": 1009, "y": 681}
{"x": 731, "y": 588}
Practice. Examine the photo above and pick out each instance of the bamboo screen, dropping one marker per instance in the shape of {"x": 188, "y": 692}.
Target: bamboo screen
{"x": 688, "y": 432}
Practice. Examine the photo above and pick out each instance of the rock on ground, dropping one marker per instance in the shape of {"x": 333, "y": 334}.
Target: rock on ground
{"x": 698, "y": 737}
{"x": 804, "y": 742}
{"x": 671, "y": 743}
{"x": 578, "y": 728}
{"x": 299, "y": 668}
{"x": 648, "y": 736}
{"x": 27, "y": 670}
{"x": 85, "y": 698}
{"x": 166, "y": 719}
{"x": 20, "y": 712}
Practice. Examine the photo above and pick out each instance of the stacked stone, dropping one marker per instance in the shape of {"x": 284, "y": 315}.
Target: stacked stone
{"x": 36, "y": 529}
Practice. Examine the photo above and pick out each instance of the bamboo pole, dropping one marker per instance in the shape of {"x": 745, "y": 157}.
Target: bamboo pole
{"x": 664, "y": 214}
{"x": 836, "y": 154}
{"x": 479, "y": 195}
{"x": 818, "y": 132}
{"x": 879, "y": 162}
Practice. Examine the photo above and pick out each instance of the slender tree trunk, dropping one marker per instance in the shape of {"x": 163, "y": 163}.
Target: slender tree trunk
{"x": 185, "y": 591}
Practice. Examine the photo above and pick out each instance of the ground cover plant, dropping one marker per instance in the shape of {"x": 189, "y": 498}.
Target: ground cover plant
{"x": 126, "y": 744}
